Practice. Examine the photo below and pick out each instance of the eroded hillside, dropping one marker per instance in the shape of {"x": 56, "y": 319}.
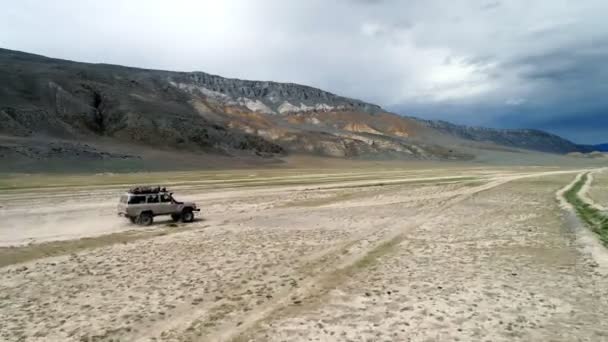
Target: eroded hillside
{"x": 199, "y": 112}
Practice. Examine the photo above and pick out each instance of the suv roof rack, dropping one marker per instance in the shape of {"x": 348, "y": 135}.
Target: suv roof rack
{"x": 141, "y": 190}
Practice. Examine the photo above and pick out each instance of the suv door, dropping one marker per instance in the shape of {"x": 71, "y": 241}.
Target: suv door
{"x": 153, "y": 203}
{"x": 167, "y": 205}
{"x": 136, "y": 204}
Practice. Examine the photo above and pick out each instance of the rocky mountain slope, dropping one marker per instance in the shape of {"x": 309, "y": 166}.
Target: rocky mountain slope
{"x": 529, "y": 139}
{"x": 195, "y": 111}
{"x": 601, "y": 147}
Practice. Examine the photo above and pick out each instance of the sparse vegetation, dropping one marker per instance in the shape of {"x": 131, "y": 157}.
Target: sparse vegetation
{"x": 593, "y": 218}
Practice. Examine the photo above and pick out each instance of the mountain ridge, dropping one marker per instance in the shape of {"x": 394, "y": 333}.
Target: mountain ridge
{"x": 515, "y": 137}
{"x": 197, "y": 111}
{"x": 601, "y": 147}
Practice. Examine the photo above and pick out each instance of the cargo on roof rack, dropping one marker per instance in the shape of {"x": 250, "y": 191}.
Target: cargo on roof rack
{"x": 147, "y": 190}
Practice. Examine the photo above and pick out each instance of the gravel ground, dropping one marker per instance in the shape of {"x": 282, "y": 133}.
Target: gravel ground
{"x": 489, "y": 258}
{"x": 501, "y": 266}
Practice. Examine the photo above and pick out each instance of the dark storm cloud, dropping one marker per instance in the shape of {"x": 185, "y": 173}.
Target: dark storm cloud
{"x": 576, "y": 61}
{"x": 501, "y": 63}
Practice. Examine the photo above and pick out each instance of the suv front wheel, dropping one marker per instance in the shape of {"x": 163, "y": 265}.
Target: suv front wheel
{"x": 187, "y": 215}
{"x": 145, "y": 219}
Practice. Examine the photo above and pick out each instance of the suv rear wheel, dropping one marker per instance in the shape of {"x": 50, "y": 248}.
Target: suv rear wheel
{"x": 187, "y": 215}
{"x": 145, "y": 219}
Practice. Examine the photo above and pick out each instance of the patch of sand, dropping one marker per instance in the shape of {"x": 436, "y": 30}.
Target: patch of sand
{"x": 489, "y": 258}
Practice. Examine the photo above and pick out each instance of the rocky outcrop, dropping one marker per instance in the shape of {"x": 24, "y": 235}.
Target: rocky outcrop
{"x": 266, "y": 97}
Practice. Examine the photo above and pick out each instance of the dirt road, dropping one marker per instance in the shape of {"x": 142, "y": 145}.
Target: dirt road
{"x": 598, "y": 191}
{"x": 423, "y": 256}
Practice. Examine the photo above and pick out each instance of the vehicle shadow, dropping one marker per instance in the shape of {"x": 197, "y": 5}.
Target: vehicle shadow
{"x": 162, "y": 222}
{"x": 171, "y": 223}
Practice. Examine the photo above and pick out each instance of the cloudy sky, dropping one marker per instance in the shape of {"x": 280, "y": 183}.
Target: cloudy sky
{"x": 509, "y": 63}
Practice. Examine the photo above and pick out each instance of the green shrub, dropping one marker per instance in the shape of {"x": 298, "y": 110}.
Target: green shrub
{"x": 593, "y": 218}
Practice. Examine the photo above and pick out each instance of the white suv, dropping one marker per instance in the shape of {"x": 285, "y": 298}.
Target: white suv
{"x": 141, "y": 204}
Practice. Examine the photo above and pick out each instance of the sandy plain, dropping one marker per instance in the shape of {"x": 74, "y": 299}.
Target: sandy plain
{"x": 376, "y": 254}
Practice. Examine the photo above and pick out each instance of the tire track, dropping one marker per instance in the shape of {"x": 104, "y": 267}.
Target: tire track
{"x": 588, "y": 241}
{"x": 584, "y": 193}
{"x": 316, "y": 263}
{"x": 315, "y": 286}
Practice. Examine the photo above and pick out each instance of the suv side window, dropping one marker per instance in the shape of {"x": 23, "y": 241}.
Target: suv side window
{"x": 153, "y": 199}
{"x": 137, "y": 199}
{"x": 165, "y": 198}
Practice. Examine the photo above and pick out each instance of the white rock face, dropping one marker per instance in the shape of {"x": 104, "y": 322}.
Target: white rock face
{"x": 255, "y": 105}
{"x": 252, "y": 105}
{"x": 324, "y": 107}
{"x": 204, "y": 91}
{"x": 287, "y": 107}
